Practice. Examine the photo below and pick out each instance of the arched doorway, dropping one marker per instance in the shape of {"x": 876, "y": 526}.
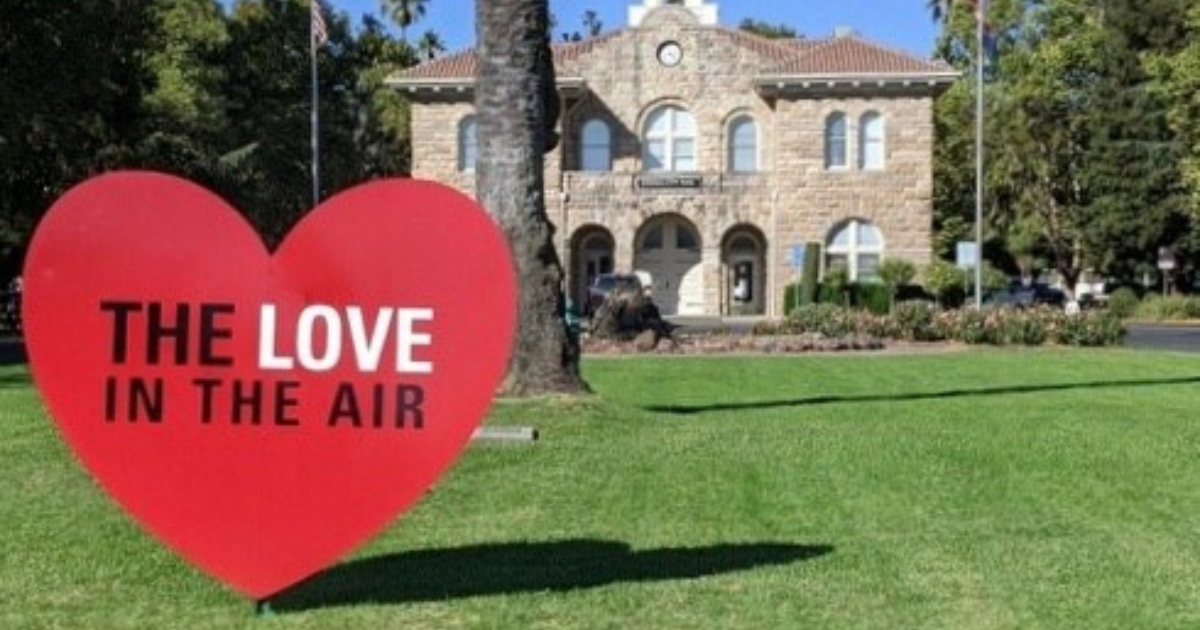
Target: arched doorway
{"x": 591, "y": 255}
{"x": 743, "y": 260}
{"x": 667, "y": 249}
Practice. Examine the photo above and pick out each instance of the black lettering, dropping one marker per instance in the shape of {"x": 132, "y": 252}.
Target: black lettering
{"x": 210, "y": 333}
{"x": 285, "y": 400}
{"x": 142, "y": 399}
{"x": 206, "y": 385}
{"x": 110, "y": 399}
{"x": 120, "y": 337}
{"x": 157, "y": 331}
{"x": 250, "y": 402}
{"x": 409, "y": 399}
{"x": 345, "y": 405}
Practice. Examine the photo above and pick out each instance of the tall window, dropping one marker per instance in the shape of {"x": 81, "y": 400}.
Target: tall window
{"x": 870, "y": 141}
{"x": 743, "y": 145}
{"x": 857, "y": 245}
{"x": 468, "y": 143}
{"x": 596, "y": 152}
{"x": 669, "y": 140}
{"x": 835, "y": 140}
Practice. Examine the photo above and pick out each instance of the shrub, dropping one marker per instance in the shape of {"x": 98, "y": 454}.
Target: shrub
{"x": 914, "y": 321}
{"x": 836, "y": 287}
{"x": 873, "y": 297}
{"x": 965, "y": 325}
{"x": 1029, "y": 327}
{"x": 1174, "y": 307}
{"x": 811, "y": 273}
{"x": 830, "y": 320}
{"x": 1090, "y": 329}
{"x": 1123, "y": 303}
{"x": 945, "y": 282}
{"x": 791, "y": 295}
{"x": 895, "y": 273}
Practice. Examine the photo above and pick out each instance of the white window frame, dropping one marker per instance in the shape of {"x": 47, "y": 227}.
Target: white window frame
{"x": 853, "y": 249}
{"x": 595, "y": 146}
{"x": 670, "y": 138}
{"x": 738, "y": 124}
{"x": 468, "y": 144}
{"x": 831, "y": 139}
{"x": 871, "y": 147}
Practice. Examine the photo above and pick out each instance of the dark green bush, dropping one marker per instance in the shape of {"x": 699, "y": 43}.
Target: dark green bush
{"x": 871, "y": 297}
{"x": 1123, "y": 303}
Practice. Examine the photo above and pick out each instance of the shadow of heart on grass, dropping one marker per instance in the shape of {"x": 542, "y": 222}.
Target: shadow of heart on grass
{"x": 441, "y": 574}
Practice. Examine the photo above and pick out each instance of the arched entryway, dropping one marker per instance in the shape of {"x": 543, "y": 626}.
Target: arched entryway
{"x": 591, "y": 255}
{"x": 667, "y": 249}
{"x": 743, "y": 263}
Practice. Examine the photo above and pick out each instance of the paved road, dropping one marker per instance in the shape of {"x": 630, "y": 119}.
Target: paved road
{"x": 1180, "y": 338}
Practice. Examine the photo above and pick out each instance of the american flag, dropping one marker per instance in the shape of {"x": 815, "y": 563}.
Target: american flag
{"x": 319, "y": 33}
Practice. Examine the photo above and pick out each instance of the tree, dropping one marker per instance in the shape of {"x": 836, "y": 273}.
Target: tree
{"x": 895, "y": 273}
{"x": 518, "y": 107}
{"x": 765, "y": 29}
{"x": 430, "y": 45}
{"x": 404, "y": 13}
{"x": 72, "y": 91}
{"x": 265, "y": 164}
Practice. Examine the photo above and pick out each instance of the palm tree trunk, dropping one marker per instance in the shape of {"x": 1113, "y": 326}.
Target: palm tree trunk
{"x": 517, "y": 106}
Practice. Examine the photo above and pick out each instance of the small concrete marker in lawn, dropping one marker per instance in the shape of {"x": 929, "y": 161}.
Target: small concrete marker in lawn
{"x": 505, "y": 434}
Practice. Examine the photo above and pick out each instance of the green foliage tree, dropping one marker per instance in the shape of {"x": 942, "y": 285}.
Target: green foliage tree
{"x": 1082, "y": 161}
{"x": 404, "y": 13}
{"x": 945, "y": 281}
{"x": 768, "y": 30}
{"x": 72, "y": 87}
{"x": 895, "y": 273}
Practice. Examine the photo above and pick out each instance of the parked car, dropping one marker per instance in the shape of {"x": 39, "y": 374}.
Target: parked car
{"x": 605, "y": 284}
{"x": 1022, "y": 295}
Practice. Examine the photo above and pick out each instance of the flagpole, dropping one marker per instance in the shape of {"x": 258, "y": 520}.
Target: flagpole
{"x": 979, "y": 22}
{"x": 316, "y": 104}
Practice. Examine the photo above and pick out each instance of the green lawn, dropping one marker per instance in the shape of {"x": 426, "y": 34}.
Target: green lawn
{"x": 999, "y": 489}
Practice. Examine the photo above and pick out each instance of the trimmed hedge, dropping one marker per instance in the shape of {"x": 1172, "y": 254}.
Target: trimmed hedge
{"x": 922, "y": 321}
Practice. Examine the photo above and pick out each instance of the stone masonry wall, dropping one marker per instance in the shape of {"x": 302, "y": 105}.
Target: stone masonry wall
{"x": 793, "y": 199}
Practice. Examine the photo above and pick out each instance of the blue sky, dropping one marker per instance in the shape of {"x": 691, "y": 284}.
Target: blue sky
{"x": 904, "y": 24}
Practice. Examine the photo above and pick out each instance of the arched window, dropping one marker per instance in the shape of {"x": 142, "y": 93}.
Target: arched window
{"x": 870, "y": 142}
{"x": 596, "y": 147}
{"x": 468, "y": 143}
{"x": 743, "y": 145}
{"x": 835, "y": 140}
{"x": 858, "y": 245}
{"x": 669, "y": 140}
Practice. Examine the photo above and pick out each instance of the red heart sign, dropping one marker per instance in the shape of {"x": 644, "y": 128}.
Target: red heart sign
{"x": 263, "y": 414}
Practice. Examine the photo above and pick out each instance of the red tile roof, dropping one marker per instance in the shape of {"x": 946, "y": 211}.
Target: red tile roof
{"x": 782, "y": 58}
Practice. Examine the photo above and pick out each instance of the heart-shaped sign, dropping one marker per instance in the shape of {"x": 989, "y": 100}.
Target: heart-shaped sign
{"x": 261, "y": 413}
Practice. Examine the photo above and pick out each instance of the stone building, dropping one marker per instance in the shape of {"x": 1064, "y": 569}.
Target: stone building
{"x": 705, "y": 157}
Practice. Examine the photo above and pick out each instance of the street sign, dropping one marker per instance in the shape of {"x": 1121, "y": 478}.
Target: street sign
{"x": 964, "y": 255}
{"x": 796, "y": 256}
{"x": 1166, "y": 258}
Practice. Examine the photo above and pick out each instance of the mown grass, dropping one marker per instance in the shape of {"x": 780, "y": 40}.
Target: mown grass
{"x": 1026, "y": 489}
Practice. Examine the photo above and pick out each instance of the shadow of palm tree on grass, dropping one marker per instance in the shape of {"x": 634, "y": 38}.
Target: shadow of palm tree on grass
{"x": 953, "y": 393}
{"x": 439, "y": 574}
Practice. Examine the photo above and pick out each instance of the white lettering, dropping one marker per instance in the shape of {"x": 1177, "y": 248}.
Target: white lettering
{"x": 406, "y": 338}
{"x": 321, "y": 331}
{"x": 267, "y": 358}
{"x": 305, "y": 338}
{"x": 368, "y": 352}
